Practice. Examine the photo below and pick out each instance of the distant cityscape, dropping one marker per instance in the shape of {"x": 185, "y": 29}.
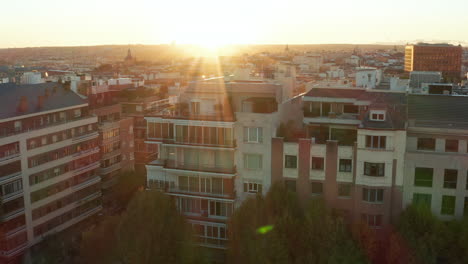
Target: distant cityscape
{"x": 370, "y": 129}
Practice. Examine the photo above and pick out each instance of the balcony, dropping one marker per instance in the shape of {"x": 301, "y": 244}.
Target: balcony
{"x": 10, "y": 177}
{"x": 219, "y": 243}
{"x": 12, "y": 214}
{"x": 224, "y": 194}
{"x": 213, "y": 168}
{"x": 12, "y": 156}
{"x": 12, "y": 196}
{"x": 110, "y": 169}
{"x": 85, "y": 137}
{"x": 199, "y": 142}
{"x": 6, "y": 132}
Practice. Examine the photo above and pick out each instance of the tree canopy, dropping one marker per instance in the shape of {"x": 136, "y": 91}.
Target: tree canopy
{"x": 276, "y": 229}
{"x": 151, "y": 230}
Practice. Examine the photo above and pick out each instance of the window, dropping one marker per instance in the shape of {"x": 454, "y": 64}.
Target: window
{"x": 423, "y": 199}
{"x": 345, "y": 165}
{"x": 253, "y": 161}
{"x": 253, "y": 134}
{"x": 377, "y": 142}
{"x": 423, "y": 177}
{"x": 377, "y": 115}
{"x": 252, "y": 187}
{"x": 350, "y": 109}
{"x": 426, "y": 144}
{"x": 139, "y": 108}
{"x": 316, "y": 188}
{"x": 451, "y": 145}
{"x": 372, "y": 195}
{"x": 195, "y": 108}
{"x": 290, "y": 161}
{"x": 450, "y": 179}
{"x": 17, "y": 126}
{"x": 11, "y": 187}
{"x": 344, "y": 190}
{"x": 290, "y": 185}
{"x": 317, "y": 163}
{"x": 77, "y": 112}
{"x": 220, "y": 209}
{"x": 448, "y": 205}
{"x": 374, "y": 221}
{"x": 374, "y": 169}
{"x": 465, "y": 208}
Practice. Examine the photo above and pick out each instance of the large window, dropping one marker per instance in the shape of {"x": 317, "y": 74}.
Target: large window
{"x": 451, "y": 145}
{"x": 448, "y": 205}
{"x": 220, "y": 209}
{"x": 11, "y": 187}
{"x": 290, "y": 185}
{"x": 316, "y": 188}
{"x": 253, "y": 161}
{"x": 372, "y": 195}
{"x": 317, "y": 163}
{"x": 189, "y": 205}
{"x": 252, "y": 187}
{"x": 423, "y": 199}
{"x": 377, "y": 142}
{"x": 450, "y": 179}
{"x": 290, "y": 161}
{"x": 426, "y": 144}
{"x": 350, "y": 109}
{"x": 374, "y": 221}
{"x": 253, "y": 134}
{"x": 344, "y": 190}
{"x": 423, "y": 177}
{"x": 374, "y": 169}
{"x": 345, "y": 165}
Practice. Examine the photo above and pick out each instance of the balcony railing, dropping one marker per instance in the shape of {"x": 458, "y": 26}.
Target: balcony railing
{"x": 10, "y": 132}
{"x": 214, "y": 168}
{"x": 199, "y": 142}
{"x": 223, "y": 194}
{"x": 110, "y": 169}
{"x": 10, "y": 176}
{"x": 10, "y": 157}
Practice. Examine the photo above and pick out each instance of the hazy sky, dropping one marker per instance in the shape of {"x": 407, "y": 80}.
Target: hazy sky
{"x": 25, "y": 23}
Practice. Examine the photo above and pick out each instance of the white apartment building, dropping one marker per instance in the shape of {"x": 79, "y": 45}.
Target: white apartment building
{"x": 49, "y": 156}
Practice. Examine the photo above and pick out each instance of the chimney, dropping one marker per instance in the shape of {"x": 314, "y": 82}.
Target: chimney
{"x": 23, "y": 104}
{"x": 40, "y": 102}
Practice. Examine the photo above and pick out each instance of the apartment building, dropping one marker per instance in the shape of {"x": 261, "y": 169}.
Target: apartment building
{"x": 436, "y": 154}
{"x": 214, "y": 150}
{"x": 443, "y": 58}
{"x": 49, "y": 160}
{"x": 137, "y": 108}
{"x": 352, "y": 154}
{"x": 116, "y": 142}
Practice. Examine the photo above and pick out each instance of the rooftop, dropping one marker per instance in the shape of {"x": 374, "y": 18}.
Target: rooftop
{"x": 440, "y": 111}
{"x": 11, "y": 94}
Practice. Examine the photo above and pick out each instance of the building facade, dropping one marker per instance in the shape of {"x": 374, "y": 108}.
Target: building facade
{"x": 436, "y": 155}
{"x": 49, "y": 163}
{"x": 443, "y": 58}
{"x": 214, "y": 151}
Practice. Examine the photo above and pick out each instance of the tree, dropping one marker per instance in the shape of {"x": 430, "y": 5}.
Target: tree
{"x": 431, "y": 240}
{"x": 277, "y": 229}
{"x": 151, "y": 230}
{"x": 128, "y": 182}
{"x": 98, "y": 244}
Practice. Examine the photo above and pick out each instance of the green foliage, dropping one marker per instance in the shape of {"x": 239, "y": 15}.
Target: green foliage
{"x": 55, "y": 249}
{"x": 298, "y": 235}
{"x": 128, "y": 182}
{"x": 432, "y": 240}
{"x": 151, "y": 230}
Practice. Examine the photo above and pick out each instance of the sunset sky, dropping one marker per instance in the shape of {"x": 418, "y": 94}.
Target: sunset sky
{"x": 29, "y": 23}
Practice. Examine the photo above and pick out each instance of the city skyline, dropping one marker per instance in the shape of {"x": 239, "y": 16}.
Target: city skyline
{"x": 209, "y": 23}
